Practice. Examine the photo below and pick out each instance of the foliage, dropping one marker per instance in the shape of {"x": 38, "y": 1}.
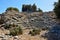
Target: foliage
{"x": 12, "y": 8}
{"x": 2, "y": 19}
{"x": 16, "y": 31}
{"x": 39, "y": 10}
{"x": 57, "y": 9}
{"x": 30, "y": 8}
{"x": 7, "y": 26}
{"x": 26, "y": 8}
{"x": 23, "y": 8}
{"x": 34, "y": 8}
{"x": 16, "y": 9}
{"x": 34, "y": 32}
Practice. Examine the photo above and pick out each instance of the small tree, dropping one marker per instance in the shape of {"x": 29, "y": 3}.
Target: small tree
{"x": 26, "y": 8}
{"x": 34, "y": 8}
{"x": 23, "y": 8}
{"x": 57, "y": 9}
{"x": 39, "y": 10}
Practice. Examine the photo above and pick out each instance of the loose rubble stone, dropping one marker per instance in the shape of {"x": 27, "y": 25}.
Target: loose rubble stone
{"x": 16, "y": 38}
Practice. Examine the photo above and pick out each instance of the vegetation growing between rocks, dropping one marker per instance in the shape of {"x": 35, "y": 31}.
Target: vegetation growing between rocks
{"x": 16, "y": 31}
{"x": 34, "y": 32}
{"x": 8, "y": 26}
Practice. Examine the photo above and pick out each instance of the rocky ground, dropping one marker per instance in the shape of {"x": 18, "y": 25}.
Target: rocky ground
{"x": 26, "y": 20}
{"x": 24, "y": 36}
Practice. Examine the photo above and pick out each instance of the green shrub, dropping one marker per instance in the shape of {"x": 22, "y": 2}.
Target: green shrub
{"x": 12, "y": 8}
{"x": 7, "y": 26}
{"x": 16, "y": 9}
{"x": 34, "y": 32}
{"x": 16, "y": 31}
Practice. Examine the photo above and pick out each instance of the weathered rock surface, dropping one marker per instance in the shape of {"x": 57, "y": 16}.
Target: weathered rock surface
{"x": 54, "y": 32}
{"x": 24, "y": 19}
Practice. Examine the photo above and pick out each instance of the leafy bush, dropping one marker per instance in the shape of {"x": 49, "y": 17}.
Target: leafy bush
{"x": 7, "y": 26}
{"x": 16, "y": 31}
{"x": 16, "y": 9}
{"x": 34, "y": 32}
{"x": 12, "y": 8}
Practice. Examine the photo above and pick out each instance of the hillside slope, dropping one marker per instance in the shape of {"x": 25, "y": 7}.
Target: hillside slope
{"x": 27, "y": 21}
{"x": 34, "y": 19}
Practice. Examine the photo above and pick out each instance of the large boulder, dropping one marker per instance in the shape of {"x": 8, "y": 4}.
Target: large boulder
{"x": 54, "y": 33}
